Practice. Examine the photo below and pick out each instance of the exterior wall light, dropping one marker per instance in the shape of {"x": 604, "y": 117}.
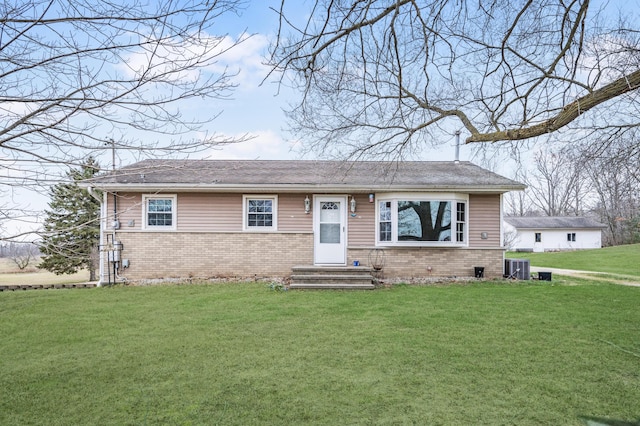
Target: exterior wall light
{"x": 307, "y": 205}
{"x": 352, "y": 204}
{"x": 371, "y": 198}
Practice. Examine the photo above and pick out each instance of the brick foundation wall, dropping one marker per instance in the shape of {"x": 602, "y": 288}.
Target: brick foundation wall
{"x": 163, "y": 255}
{"x": 409, "y": 262}
{"x": 156, "y": 255}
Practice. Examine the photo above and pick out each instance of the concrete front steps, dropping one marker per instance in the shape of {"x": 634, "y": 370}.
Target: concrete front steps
{"x": 332, "y": 277}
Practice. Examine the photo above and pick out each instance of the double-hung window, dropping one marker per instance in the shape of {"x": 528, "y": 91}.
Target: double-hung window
{"x": 260, "y": 213}
{"x": 159, "y": 212}
{"x": 384, "y": 224}
{"x": 461, "y": 221}
{"x": 421, "y": 220}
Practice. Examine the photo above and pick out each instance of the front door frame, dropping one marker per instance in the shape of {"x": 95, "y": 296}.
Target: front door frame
{"x": 336, "y": 255}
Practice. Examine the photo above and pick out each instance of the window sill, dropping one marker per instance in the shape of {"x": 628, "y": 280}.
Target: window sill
{"x": 421, "y": 245}
{"x": 260, "y": 231}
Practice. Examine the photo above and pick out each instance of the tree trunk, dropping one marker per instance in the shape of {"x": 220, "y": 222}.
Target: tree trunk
{"x": 94, "y": 263}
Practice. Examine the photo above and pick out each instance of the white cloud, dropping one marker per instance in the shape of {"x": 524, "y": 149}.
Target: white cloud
{"x": 243, "y": 55}
{"x": 170, "y": 59}
{"x": 266, "y": 145}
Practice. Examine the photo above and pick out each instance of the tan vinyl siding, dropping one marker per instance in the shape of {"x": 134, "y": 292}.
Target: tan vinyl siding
{"x": 484, "y": 216}
{"x": 291, "y": 215}
{"x": 129, "y": 210}
{"x": 209, "y": 212}
{"x": 223, "y": 213}
{"x": 214, "y": 212}
{"x": 195, "y": 212}
{"x": 362, "y": 227}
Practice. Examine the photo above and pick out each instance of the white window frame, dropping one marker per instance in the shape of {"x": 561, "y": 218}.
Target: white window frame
{"x": 174, "y": 212}
{"x": 571, "y": 237}
{"x": 445, "y": 197}
{"x": 245, "y": 212}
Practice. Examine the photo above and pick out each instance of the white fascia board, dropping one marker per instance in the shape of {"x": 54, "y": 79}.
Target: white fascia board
{"x": 114, "y": 187}
{"x": 537, "y": 228}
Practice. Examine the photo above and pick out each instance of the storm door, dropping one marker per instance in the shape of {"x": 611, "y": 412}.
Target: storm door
{"x": 330, "y": 217}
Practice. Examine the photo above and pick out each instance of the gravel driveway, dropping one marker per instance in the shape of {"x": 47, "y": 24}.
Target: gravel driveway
{"x": 608, "y": 277}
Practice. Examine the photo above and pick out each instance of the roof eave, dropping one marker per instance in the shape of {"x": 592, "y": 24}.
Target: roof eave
{"x": 327, "y": 188}
{"x": 549, "y": 228}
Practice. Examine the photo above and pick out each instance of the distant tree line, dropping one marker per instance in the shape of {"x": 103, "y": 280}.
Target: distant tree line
{"x": 11, "y": 249}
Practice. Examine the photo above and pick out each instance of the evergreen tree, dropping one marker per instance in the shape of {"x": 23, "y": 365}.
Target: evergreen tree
{"x": 72, "y": 226}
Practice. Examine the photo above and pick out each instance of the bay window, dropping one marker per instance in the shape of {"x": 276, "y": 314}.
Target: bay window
{"x": 422, "y": 221}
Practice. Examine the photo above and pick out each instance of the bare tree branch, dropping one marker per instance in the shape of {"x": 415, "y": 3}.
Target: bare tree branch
{"x": 568, "y": 114}
{"x": 76, "y": 74}
{"x": 78, "y": 77}
{"x": 388, "y": 77}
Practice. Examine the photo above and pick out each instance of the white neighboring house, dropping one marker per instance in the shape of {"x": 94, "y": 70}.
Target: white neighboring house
{"x": 540, "y": 234}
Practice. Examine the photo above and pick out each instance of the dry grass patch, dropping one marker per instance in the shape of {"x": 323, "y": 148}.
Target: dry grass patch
{"x": 10, "y": 274}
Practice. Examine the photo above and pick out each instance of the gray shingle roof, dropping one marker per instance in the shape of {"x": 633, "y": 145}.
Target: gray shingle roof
{"x": 553, "y": 222}
{"x": 366, "y": 175}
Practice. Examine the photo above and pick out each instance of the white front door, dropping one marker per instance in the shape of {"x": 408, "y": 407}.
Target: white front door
{"x": 329, "y": 230}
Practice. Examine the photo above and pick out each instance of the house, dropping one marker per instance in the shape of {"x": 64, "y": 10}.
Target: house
{"x": 250, "y": 218}
{"x": 552, "y": 233}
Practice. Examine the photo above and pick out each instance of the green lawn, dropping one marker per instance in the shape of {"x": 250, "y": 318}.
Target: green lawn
{"x": 623, "y": 260}
{"x": 485, "y": 353}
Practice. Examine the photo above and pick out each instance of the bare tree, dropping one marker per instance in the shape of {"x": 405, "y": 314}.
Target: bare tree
{"x": 510, "y": 239}
{"x": 82, "y": 76}
{"x": 615, "y": 181}
{"x": 23, "y": 260}
{"x": 556, "y": 184}
{"x": 516, "y": 203}
{"x": 22, "y": 254}
{"x": 387, "y": 77}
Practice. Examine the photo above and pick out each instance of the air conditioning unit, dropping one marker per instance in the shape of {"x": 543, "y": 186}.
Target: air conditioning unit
{"x": 517, "y": 268}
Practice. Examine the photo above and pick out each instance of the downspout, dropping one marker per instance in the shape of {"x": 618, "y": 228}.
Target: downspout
{"x": 115, "y": 225}
{"x": 102, "y": 202}
{"x": 504, "y": 249}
